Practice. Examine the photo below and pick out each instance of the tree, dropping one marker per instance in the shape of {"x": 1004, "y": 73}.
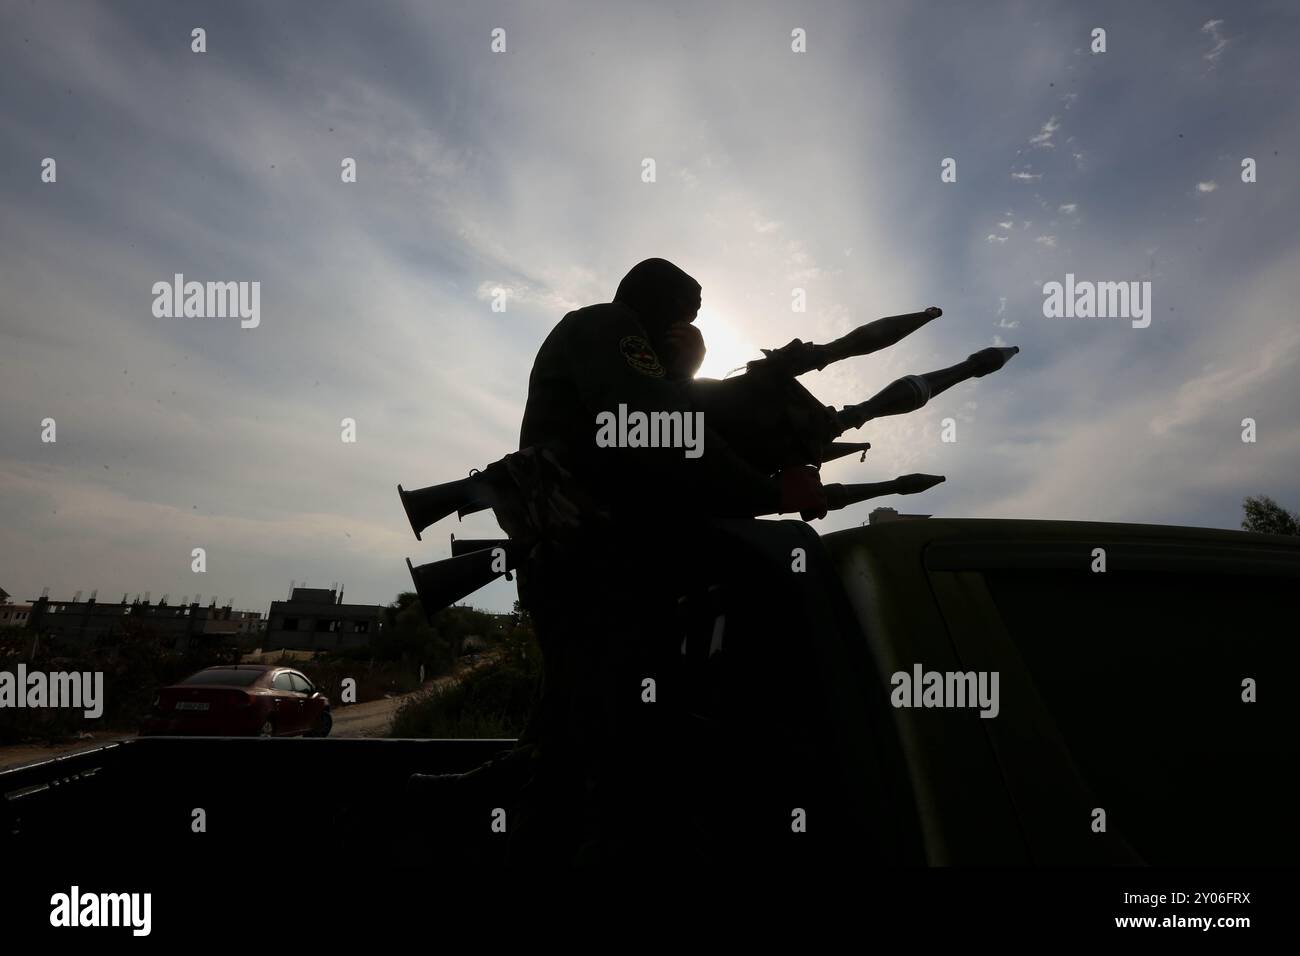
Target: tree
{"x": 520, "y": 616}
{"x": 1265, "y": 515}
{"x": 406, "y": 636}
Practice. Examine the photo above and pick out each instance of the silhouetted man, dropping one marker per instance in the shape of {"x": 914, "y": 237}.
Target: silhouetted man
{"x": 604, "y": 594}
{"x": 639, "y": 352}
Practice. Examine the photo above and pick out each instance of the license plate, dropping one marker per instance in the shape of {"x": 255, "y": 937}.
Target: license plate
{"x": 191, "y": 705}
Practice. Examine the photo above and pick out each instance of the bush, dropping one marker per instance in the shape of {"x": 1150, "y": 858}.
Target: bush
{"x": 494, "y": 701}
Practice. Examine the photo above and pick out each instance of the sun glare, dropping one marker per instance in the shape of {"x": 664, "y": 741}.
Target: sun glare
{"x": 727, "y": 349}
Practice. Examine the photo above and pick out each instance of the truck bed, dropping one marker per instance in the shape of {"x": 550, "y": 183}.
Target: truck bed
{"x": 1119, "y": 691}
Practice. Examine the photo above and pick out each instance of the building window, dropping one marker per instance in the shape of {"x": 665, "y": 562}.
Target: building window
{"x": 361, "y": 627}
{"x": 290, "y": 624}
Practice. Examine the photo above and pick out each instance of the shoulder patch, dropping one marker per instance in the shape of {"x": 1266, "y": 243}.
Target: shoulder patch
{"x": 641, "y": 356}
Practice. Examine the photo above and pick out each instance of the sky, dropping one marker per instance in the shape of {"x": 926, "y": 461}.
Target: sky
{"x": 522, "y": 170}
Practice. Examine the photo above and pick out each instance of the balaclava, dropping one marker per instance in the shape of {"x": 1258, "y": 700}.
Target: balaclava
{"x": 659, "y": 293}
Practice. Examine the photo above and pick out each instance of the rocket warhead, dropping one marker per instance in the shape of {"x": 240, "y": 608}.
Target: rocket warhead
{"x": 841, "y": 496}
{"x": 990, "y": 359}
{"x": 916, "y": 483}
{"x": 798, "y": 357}
{"x": 877, "y": 335}
{"x": 911, "y": 392}
{"x": 900, "y": 396}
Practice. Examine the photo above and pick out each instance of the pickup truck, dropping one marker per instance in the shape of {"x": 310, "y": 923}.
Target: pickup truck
{"x": 1144, "y": 714}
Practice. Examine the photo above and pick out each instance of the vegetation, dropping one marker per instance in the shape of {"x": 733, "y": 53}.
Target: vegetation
{"x": 493, "y": 701}
{"x": 136, "y": 663}
{"x": 407, "y": 638}
{"x": 1266, "y": 515}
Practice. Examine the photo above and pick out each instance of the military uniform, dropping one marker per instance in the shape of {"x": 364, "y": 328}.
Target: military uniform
{"x": 603, "y": 594}
{"x": 598, "y": 359}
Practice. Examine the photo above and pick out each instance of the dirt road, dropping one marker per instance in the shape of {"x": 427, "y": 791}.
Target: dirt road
{"x": 371, "y": 719}
{"x": 17, "y": 754}
{"x": 374, "y": 717}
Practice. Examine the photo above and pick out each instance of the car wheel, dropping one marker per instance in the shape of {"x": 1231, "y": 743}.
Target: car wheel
{"x": 267, "y": 729}
{"x": 323, "y": 724}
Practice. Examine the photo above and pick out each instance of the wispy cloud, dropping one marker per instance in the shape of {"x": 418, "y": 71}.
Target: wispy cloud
{"x": 516, "y": 293}
{"x": 474, "y": 176}
{"x": 1043, "y": 138}
{"x": 1212, "y": 27}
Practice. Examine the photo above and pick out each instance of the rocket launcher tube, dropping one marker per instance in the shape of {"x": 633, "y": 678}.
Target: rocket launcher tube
{"x": 839, "y": 449}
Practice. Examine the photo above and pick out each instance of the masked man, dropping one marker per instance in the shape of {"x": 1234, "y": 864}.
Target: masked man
{"x": 604, "y": 600}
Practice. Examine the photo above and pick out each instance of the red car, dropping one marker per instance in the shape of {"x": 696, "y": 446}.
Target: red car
{"x": 238, "y": 700}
